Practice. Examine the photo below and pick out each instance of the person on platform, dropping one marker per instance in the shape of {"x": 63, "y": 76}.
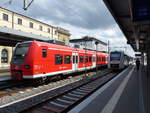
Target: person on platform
{"x": 137, "y": 64}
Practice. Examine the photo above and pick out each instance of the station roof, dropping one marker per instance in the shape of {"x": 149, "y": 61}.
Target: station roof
{"x": 135, "y": 33}
{"x": 10, "y": 37}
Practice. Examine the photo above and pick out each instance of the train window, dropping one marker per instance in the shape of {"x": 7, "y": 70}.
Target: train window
{"x": 44, "y": 53}
{"x": 86, "y": 58}
{"x": 81, "y": 59}
{"x": 5, "y": 17}
{"x": 73, "y": 59}
{"x": 103, "y": 59}
{"x": 76, "y": 59}
{"x": 58, "y": 59}
{"x": 94, "y": 59}
{"x": 97, "y": 59}
{"x": 67, "y": 59}
{"x": 90, "y": 59}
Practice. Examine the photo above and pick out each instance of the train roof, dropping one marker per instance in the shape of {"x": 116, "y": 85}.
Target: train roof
{"x": 51, "y": 45}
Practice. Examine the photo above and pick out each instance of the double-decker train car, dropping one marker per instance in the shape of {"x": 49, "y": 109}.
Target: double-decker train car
{"x": 118, "y": 60}
{"x": 36, "y": 60}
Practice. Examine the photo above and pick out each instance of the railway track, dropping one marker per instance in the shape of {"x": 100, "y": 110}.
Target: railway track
{"x": 63, "y": 102}
{"x": 8, "y": 88}
{"x": 9, "y": 84}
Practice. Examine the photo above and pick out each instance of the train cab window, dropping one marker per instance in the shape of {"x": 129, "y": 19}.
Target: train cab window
{"x": 90, "y": 59}
{"x": 58, "y": 59}
{"x": 44, "y": 53}
{"x": 86, "y": 58}
{"x": 67, "y": 59}
{"x": 81, "y": 59}
{"x": 4, "y": 56}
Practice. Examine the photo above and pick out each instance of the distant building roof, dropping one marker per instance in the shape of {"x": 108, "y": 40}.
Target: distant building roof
{"x": 87, "y": 38}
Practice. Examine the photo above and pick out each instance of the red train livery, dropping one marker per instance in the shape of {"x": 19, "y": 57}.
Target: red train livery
{"x": 32, "y": 60}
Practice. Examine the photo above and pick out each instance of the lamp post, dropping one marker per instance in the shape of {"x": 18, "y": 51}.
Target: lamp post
{"x": 96, "y": 43}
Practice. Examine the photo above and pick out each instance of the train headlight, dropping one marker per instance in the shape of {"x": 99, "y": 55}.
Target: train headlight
{"x": 27, "y": 66}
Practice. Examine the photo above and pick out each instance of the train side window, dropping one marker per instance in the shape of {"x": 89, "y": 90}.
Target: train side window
{"x": 86, "y": 58}
{"x": 67, "y": 59}
{"x": 44, "y": 53}
{"x": 73, "y": 59}
{"x": 58, "y": 59}
{"x": 94, "y": 59}
{"x": 103, "y": 59}
{"x": 97, "y": 59}
{"x": 100, "y": 59}
{"x": 76, "y": 59}
{"x": 81, "y": 59}
{"x": 90, "y": 59}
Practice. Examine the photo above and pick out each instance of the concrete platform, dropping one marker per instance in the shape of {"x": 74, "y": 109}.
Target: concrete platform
{"x": 5, "y": 76}
{"x": 129, "y": 92}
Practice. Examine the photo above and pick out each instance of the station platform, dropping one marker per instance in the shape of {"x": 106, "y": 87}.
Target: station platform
{"x": 128, "y": 92}
{"x": 5, "y": 74}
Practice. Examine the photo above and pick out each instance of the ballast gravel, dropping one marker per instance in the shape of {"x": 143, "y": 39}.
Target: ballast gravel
{"x": 19, "y": 101}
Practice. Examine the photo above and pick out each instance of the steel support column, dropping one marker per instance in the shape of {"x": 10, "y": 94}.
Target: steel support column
{"x": 148, "y": 57}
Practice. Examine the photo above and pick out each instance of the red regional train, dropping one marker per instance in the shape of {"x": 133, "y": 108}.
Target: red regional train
{"x": 36, "y": 60}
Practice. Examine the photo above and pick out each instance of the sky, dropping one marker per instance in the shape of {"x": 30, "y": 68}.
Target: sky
{"x": 80, "y": 17}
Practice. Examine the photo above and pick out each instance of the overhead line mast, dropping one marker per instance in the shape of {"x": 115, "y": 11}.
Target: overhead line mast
{"x": 27, "y": 3}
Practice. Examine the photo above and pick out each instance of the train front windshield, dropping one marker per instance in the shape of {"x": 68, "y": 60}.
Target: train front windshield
{"x": 19, "y": 53}
{"x": 115, "y": 56}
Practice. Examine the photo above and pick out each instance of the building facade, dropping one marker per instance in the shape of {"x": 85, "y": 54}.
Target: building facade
{"x": 90, "y": 43}
{"x": 15, "y": 21}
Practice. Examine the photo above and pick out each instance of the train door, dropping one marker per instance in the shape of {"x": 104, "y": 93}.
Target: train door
{"x": 75, "y": 61}
{"x": 93, "y": 61}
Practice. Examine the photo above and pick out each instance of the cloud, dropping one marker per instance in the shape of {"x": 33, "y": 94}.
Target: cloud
{"x": 80, "y": 17}
{"x": 88, "y": 14}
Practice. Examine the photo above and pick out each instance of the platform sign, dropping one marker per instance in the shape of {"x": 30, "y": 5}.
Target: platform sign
{"x": 140, "y": 11}
{"x": 138, "y": 55}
